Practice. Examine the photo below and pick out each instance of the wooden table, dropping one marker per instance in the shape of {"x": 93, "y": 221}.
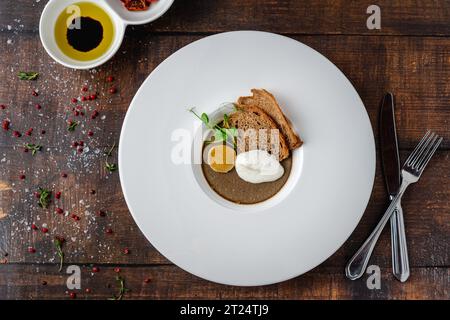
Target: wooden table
{"x": 409, "y": 55}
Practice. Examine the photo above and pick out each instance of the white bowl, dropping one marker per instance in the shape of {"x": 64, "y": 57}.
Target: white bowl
{"x": 120, "y": 17}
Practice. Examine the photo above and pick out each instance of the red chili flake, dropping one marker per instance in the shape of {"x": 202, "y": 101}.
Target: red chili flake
{"x": 75, "y": 217}
{"x": 108, "y": 231}
{"x": 42, "y": 131}
{"x": 37, "y": 194}
{"x": 87, "y": 290}
{"x": 112, "y": 90}
{"x": 29, "y": 132}
{"x": 84, "y": 98}
{"x": 80, "y": 150}
{"x": 74, "y": 144}
{"x": 25, "y": 150}
{"x": 136, "y": 5}
{"x": 74, "y": 100}
{"x": 35, "y": 93}
{"x": 73, "y": 295}
{"x": 44, "y": 283}
{"x": 95, "y": 269}
{"x": 116, "y": 269}
{"x": 34, "y": 227}
{"x": 2, "y": 106}
{"x": 90, "y": 133}
{"x": 147, "y": 280}
{"x": 31, "y": 250}
{"x": 44, "y": 230}
{"x": 82, "y": 113}
{"x": 38, "y": 106}
{"x": 6, "y": 124}
{"x": 126, "y": 251}
{"x": 76, "y": 113}
{"x": 79, "y": 107}
{"x": 58, "y": 195}
{"x": 110, "y": 79}
{"x": 93, "y": 96}
{"x": 81, "y": 143}
{"x": 22, "y": 177}
{"x": 59, "y": 211}
{"x": 84, "y": 89}
{"x": 60, "y": 239}
{"x": 101, "y": 213}
{"x": 17, "y": 134}
{"x": 94, "y": 114}
{"x": 64, "y": 175}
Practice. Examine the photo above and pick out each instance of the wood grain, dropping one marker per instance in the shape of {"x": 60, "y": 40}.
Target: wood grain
{"x": 407, "y": 17}
{"x": 171, "y": 282}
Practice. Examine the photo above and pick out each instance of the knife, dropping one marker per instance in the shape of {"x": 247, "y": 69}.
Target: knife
{"x": 392, "y": 175}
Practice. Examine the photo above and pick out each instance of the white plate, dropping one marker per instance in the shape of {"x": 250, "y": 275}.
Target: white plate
{"x": 308, "y": 220}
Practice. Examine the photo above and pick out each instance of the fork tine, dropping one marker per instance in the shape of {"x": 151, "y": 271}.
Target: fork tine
{"x": 426, "y": 144}
{"x": 426, "y": 148}
{"x": 429, "y": 155}
{"x": 417, "y": 149}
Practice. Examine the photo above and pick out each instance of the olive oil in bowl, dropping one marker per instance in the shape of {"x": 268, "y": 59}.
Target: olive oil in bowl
{"x": 84, "y": 31}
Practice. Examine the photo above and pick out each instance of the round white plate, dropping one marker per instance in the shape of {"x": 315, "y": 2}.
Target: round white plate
{"x": 308, "y": 220}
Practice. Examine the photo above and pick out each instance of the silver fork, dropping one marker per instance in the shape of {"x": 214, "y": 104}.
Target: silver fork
{"x": 411, "y": 172}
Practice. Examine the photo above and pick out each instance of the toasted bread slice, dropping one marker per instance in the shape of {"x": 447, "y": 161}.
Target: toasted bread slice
{"x": 255, "y": 118}
{"x": 266, "y": 101}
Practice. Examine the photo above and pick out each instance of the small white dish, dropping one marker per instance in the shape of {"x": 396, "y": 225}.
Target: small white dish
{"x": 308, "y": 220}
{"x": 120, "y": 17}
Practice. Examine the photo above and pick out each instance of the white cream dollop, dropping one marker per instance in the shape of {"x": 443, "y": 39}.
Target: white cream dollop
{"x": 258, "y": 166}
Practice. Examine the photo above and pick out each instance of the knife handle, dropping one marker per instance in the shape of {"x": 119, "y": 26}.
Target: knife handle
{"x": 400, "y": 262}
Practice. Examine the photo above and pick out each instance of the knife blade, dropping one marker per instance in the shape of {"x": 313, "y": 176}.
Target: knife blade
{"x": 390, "y": 160}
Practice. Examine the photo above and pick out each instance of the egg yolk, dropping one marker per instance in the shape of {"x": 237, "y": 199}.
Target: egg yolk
{"x": 221, "y": 158}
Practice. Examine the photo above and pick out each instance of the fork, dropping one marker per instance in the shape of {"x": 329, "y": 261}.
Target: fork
{"x": 411, "y": 172}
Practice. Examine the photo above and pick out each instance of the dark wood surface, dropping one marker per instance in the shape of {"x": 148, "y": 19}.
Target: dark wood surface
{"x": 409, "y": 56}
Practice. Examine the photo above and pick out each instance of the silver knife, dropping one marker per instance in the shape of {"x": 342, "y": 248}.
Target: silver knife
{"x": 391, "y": 169}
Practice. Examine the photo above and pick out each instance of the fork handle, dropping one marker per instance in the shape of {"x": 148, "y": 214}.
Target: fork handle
{"x": 358, "y": 263}
{"x": 400, "y": 261}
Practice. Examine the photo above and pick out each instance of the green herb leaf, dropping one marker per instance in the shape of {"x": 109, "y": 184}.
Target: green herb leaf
{"x": 232, "y": 132}
{"x": 111, "y": 167}
{"x": 44, "y": 197}
{"x": 205, "y": 118}
{"x": 33, "y": 148}
{"x": 122, "y": 289}
{"x": 219, "y": 135}
{"x": 30, "y": 75}
{"x": 58, "y": 242}
{"x": 72, "y": 125}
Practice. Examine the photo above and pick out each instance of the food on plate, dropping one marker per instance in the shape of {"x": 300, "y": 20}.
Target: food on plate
{"x": 247, "y": 151}
{"x": 257, "y": 166}
{"x": 137, "y": 5}
{"x": 267, "y": 102}
{"x": 265, "y": 131}
{"x": 85, "y": 34}
{"x": 221, "y": 158}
